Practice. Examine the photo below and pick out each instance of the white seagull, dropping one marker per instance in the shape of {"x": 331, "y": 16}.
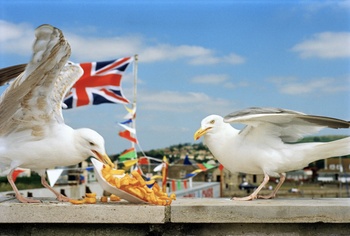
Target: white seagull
{"x": 266, "y": 145}
{"x": 32, "y": 130}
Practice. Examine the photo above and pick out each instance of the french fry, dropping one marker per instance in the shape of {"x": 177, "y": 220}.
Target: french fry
{"x": 114, "y": 198}
{"x": 133, "y": 181}
{"x": 117, "y": 172}
{"x": 90, "y": 200}
{"x": 124, "y": 181}
{"x": 76, "y": 201}
{"x": 104, "y": 199}
{"x": 150, "y": 182}
{"x": 173, "y": 196}
{"x": 117, "y": 182}
{"x": 134, "y": 184}
{"x": 90, "y": 195}
{"x": 135, "y": 191}
{"x": 138, "y": 177}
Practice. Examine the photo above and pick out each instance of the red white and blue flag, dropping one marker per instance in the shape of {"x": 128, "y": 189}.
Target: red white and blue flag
{"x": 100, "y": 83}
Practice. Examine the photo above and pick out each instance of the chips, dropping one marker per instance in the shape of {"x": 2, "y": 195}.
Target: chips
{"x": 114, "y": 198}
{"x": 104, "y": 199}
{"x": 90, "y": 198}
{"x": 135, "y": 185}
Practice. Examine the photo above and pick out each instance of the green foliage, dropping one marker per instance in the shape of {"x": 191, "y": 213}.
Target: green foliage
{"x": 34, "y": 181}
{"x": 327, "y": 138}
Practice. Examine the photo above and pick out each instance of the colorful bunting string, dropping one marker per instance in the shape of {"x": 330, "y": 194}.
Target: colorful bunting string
{"x": 127, "y": 135}
{"x": 128, "y": 154}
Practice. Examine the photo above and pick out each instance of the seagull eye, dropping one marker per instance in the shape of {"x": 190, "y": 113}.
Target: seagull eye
{"x": 91, "y": 144}
{"x": 212, "y": 122}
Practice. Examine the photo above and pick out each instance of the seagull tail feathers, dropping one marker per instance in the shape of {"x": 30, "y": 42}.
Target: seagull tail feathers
{"x": 335, "y": 148}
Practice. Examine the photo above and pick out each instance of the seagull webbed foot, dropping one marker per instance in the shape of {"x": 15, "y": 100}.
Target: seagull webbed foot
{"x": 62, "y": 198}
{"x": 26, "y": 200}
{"x": 248, "y": 198}
{"x": 270, "y": 196}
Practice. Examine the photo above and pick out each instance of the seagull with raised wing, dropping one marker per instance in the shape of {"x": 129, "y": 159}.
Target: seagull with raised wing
{"x": 32, "y": 130}
{"x": 266, "y": 145}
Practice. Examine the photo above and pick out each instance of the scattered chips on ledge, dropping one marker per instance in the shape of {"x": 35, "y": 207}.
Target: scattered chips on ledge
{"x": 90, "y": 198}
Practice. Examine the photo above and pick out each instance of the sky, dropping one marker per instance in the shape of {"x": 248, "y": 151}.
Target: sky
{"x": 196, "y": 58}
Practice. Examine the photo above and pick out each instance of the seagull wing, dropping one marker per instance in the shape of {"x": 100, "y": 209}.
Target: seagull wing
{"x": 9, "y": 73}
{"x": 34, "y": 98}
{"x": 288, "y": 125}
{"x": 68, "y": 76}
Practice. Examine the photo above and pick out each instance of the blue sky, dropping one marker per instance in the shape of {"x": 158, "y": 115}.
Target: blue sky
{"x": 197, "y": 58}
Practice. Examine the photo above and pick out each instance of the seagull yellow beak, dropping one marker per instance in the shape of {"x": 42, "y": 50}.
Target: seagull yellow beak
{"x": 104, "y": 158}
{"x": 200, "y": 132}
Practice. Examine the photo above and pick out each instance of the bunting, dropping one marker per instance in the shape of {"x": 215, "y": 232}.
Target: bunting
{"x": 201, "y": 166}
{"x": 15, "y": 173}
{"x": 143, "y": 161}
{"x": 128, "y": 154}
{"x": 128, "y": 164}
{"x": 187, "y": 161}
{"x": 208, "y": 166}
{"x": 53, "y": 175}
{"x": 131, "y": 113}
{"x": 128, "y": 128}
{"x": 127, "y": 135}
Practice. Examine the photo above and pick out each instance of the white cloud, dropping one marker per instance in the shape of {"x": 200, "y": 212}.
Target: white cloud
{"x": 182, "y": 102}
{"x": 293, "y": 86}
{"x": 327, "y": 45}
{"x": 211, "y": 59}
{"x": 93, "y": 48}
{"x": 210, "y": 79}
{"x": 18, "y": 38}
{"x": 218, "y": 79}
{"x": 314, "y": 6}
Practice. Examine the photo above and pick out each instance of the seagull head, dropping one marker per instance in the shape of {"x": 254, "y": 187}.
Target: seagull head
{"x": 92, "y": 144}
{"x": 209, "y": 124}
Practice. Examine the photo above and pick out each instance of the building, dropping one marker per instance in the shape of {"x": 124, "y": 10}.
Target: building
{"x": 337, "y": 169}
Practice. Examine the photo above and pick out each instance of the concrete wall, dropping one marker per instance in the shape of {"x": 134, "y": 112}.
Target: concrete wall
{"x": 186, "y": 216}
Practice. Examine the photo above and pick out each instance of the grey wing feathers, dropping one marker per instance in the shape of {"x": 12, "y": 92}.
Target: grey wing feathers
{"x": 288, "y": 125}
{"x": 326, "y": 121}
{"x": 282, "y": 116}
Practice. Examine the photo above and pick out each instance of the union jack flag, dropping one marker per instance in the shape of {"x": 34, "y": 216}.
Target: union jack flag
{"x": 100, "y": 83}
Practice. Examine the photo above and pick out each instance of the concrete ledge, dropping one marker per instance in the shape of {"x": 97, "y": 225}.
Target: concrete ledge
{"x": 52, "y": 211}
{"x": 197, "y": 216}
{"x": 208, "y": 210}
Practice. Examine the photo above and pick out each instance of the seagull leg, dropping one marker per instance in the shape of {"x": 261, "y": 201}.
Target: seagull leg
{"x": 254, "y": 195}
{"x": 273, "y": 194}
{"x": 18, "y": 195}
{"x": 59, "y": 196}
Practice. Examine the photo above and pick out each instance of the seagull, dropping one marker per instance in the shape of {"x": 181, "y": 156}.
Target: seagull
{"x": 33, "y": 134}
{"x": 267, "y": 144}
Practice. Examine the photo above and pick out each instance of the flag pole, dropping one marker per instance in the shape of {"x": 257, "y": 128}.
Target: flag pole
{"x": 134, "y": 98}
